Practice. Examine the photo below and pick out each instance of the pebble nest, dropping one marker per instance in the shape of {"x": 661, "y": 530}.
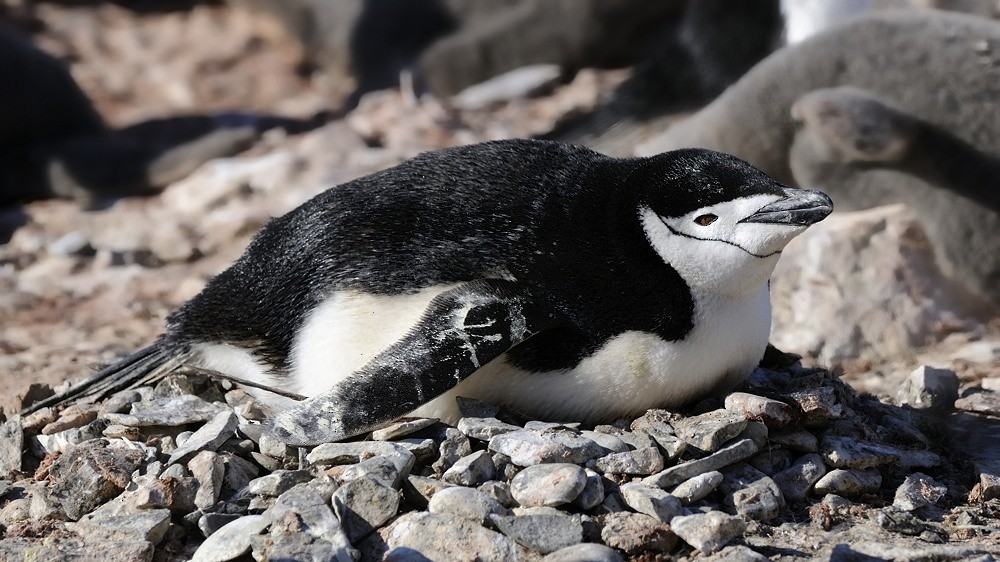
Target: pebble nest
{"x": 794, "y": 465}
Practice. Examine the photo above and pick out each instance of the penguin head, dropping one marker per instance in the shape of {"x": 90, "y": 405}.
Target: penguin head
{"x": 718, "y": 221}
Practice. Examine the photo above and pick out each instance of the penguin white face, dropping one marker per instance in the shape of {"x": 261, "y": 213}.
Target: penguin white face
{"x": 731, "y": 247}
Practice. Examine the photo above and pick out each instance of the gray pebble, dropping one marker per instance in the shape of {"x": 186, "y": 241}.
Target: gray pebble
{"x": 819, "y": 405}
{"x": 402, "y": 428}
{"x": 584, "y": 552}
{"x": 710, "y": 431}
{"x": 847, "y": 452}
{"x": 773, "y": 413}
{"x": 352, "y": 453}
{"x": 548, "y": 484}
{"x": 278, "y": 482}
{"x": 636, "y": 439}
{"x": 751, "y": 493}
{"x": 180, "y": 410}
{"x": 380, "y": 469}
{"x": 424, "y": 450}
{"x": 708, "y": 532}
{"x": 541, "y": 533}
{"x": 640, "y": 461}
{"x": 795, "y": 439}
{"x": 363, "y": 505}
{"x": 849, "y": 483}
{"x": 308, "y": 506}
{"x": 651, "y": 501}
{"x": 485, "y": 429}
{"x": 455, "y": 446}
{"x": 635, "y": 533}
{"x": 772, "y": 461}
{"x": 697, "y": 487}
{"x": 90, "y": 474}
{"x": 528, "y": 447}
{"x": 208, "y": 437}
{"x": 500, "y": 491}
{"x": 593, "y": 492}
{"x": 146, "y": 525}
{"x": 63, "y": 440}
{"x": 424, "y": 488}
{"x": 446, "y": 537}
{"x": 471, "y": 470}
{"x": 467, "y": 503}
{"x": 918, "y": 490}
{"x": 208, "y": 469}
{"x": 209, "y": 523}
{"x": 929, "y": 389}
{"x": 797, "y": 480}
{"x": 736, "y": 554}
{"x": 722, "y": 458}
{"x": 231, "y": 541}
{"x": 610, "y": 443}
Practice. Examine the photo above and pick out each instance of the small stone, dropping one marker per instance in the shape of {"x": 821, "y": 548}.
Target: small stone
{"x": 172, "y": 412}
{"x": 329, "y": 454}
{"x": 420, "y": 489}
{"x": 446, "y": 537}
{"x": 363, "y": 505}
{"x": 90, "y": 474}
{"x": 541, "y": 533}
{"x": 208, "y": 469}
{"x": 819, "y": 406}
{"x": 849, "y": 483}
{"x": 122, "y": 401}
{"x": 610, "y": 443}
{"x": 710, "y": 431}
{"x": 209, "y": 523}
{"x": 467, "y": 503}
{"x": 485, "y": 429}
{"x": 635, "y": 533}
{"x": 148, "y": 524}
{"x": 795, "y": 439}
{"x": 635, "y": 439}
{"x": 640, "y": 461}
{"x": 708, "y": 532}
{"x": 772, "y": 461}
{"x": 697, "y": 487}
{"x": 231, "y": 541}
{"x": 930, "y": 389}
{"x": 71, "y": 418}
{"x": 424, "y": 450}
{"x": 455, "y": 446}
{"x": 381, "y": 469}
{"x": 11, "y": 446}
{"x": 755, "y": 431}
{"x": 538, "y": 424}
{"x": 499, "y": 491}
{"x": 548, "y": 484}
{"x": 238, "y": 473}
{"x": 584, "y": 552}
{"x": 402, "y": 428}
{"x": 527, "y": 447}
{"x": 723, "y": 457}
{"x": 593, "y": 492}
{"x": 172, "y": 471}
{"x": 64, "y": 440}
{"x": 918, "y": 490}
{"x": 846, "y": 452}
{"x": 278, "y": 482}
{"x": 208, "y": 437}
{"x": 115, "y": 431}
{"x": 773, "y": 413}
{"x": 471, "y": 470}
{"x": 796, "y": 481}
{"x": 736, "y": 554}
{"x": 273, "y": 448}
{"x": 751, "y": 493}
{"x": 175, "y": 494}
{"x": 989, "y": 480}
{"x": 651, "y": 501}
{"x": 307, "y": 508}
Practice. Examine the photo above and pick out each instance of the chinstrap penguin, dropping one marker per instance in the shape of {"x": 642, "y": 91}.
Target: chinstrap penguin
{"x": 544, "y": 277}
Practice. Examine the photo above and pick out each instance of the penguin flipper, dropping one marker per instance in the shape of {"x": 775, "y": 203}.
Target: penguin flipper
{"x": 463, "y": 329}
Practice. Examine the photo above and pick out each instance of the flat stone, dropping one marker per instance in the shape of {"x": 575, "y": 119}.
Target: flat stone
{"x": 363, "y": 505}
{"x": 708, "y": 532}
{"x": 71, "y": 418}
{"x": 635, "y": 533}
{"x": 548, "y": 484}
{"x": 329, "y": 454}
{"x": 593, "y": 492}
{"x": 736, "y": 554}
{"x": 471, "y": 470}
{"x": 278, "y": 482}
{"x": 209, "y": 437}
{"x": 636, "y": 439}
{"x": 231, "y": 541}
{"x": 455, "y": 446}
{"x": 381, "y": 469}
{"x": 11, "y": 446}
{"x": 849, "y": 483}
{"x": 930, "y": 389}
{"x": 819, "y": 406}
{"x": 609, "y": 442}
{"x": 651, "y": 501}
{"x": 467, "y": 503}
{"x": 308, "y": 506}
{"x": 584, "y": 552}
{"x": 447, "y": 537}
{"x": 180, "y": 410}
{"x": 539, "y": 424}
{"x": 723, "y": 457}
{"x": 541, "y": 533}
{"x": 755, "y": 431}
{"x": 175, "y": 494}
{"x": 402, "y": 428}
{"x": 772, "y": 461}
{"x": 846, "y": 452}
{"x": 499, "y": 491}
{"x": 424, "y": 488}
{"x": 62, "y": 441}
{"x": 640, "y": 461}
{"x": 710, "y": 431}
{"x": 485, "y": 429}
{"x": 751, "y": 493}
{"x": 424, "y": 450}
{"x": 90, "y": 474}
{"x": 796, "y": 481}
{"x": 148, "y": 525}
{"x": 795, "y": 439}
{"x": 697, "y": 487}
{"x": 918, "y": 490}
{"x": 527, "y": 448}
{"x": 208, "y": 469}
{"x": 775, "y": 414}
{"x": 209, "y": 523}
{"x": 72, "y": 549}
{"x": 981, "y": 402}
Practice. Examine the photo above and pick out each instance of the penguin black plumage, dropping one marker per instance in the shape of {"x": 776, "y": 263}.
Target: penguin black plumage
{"x": 537, "y": 275}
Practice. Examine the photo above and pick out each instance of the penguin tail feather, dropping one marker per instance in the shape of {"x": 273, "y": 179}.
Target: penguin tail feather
{"x": 137, "y": 369}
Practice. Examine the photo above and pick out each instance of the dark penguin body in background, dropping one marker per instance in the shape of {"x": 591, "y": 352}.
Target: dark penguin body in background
{"x": 536, "y": 275}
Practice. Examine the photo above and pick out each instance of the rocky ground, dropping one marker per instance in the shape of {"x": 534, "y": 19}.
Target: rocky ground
{"x": 799, "y": 466}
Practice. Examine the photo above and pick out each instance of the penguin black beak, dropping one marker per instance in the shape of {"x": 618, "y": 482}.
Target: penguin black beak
{"x": 799, "y": 207}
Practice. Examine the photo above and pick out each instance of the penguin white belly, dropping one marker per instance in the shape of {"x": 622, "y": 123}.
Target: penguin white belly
{"x": 632, "y": 372}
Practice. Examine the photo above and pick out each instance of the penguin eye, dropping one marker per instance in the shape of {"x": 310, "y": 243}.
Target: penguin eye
{"x": 705, "y": 220}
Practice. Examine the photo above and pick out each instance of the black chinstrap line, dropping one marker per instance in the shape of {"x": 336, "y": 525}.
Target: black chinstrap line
{"x": 679, "y": 233}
